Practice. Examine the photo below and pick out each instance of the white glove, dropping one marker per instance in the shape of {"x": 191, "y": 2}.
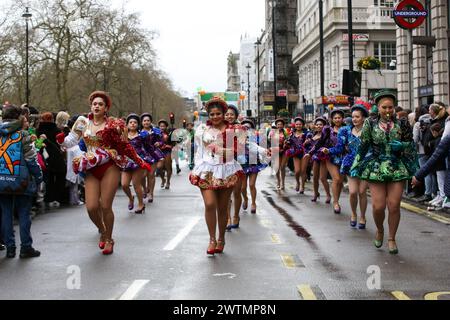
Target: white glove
{"x": 80, "y": 125}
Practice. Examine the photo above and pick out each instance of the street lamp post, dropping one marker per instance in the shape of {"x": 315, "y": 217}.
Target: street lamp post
{"x": 258, "y": 43}
{"x": 275, "y": 106}
{"x": 248, "y": 88}
{"x": 322, "y": 51}
{"x": 27, "y": 15}
{"x": 350, "y": 48}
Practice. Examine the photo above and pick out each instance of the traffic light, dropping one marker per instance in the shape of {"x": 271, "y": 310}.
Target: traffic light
{"x": 172, "y": 118}
{"x": 184, "y": 124}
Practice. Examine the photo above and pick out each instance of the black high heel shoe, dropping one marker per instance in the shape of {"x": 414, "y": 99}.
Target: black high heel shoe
{"x": 141, "y": 211}
{"x": 317, "y": 196}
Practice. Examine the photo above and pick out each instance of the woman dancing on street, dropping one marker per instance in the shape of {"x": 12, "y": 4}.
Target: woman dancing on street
{"x": 296, "y": 151}
{"x": 386, "y": 158}
{"x": 156, "y": 157}
{"x": 319, "y": 164}
{"x": 216, "y": 172}
{"x": 349, "y": 139}
{"x": 231, "y": 116}
{"x": 252, "y": 164}
{"x": 333, "y": 162}
{"x": 166, "y": 148}
{"x": 132, "y": 172}
{"x": 106, "y": 151}
{"x": 279, "y": 137}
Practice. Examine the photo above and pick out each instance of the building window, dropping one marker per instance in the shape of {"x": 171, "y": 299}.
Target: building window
{"x": 384, "y": 3}
{"x": 386, "y": 52}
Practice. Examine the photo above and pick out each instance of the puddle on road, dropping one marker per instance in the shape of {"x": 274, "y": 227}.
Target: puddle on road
{"x": 303, "y": 233}
{"x": 299, "y": 230}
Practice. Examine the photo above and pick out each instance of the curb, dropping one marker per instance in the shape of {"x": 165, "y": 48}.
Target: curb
{"x": 432, "y": 215}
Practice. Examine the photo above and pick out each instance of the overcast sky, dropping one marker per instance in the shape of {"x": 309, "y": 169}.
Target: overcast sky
{"x": 196, "y": 36}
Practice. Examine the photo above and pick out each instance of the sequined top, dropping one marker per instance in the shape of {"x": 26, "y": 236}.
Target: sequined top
{"x": 346, "y": 147}
{"x": 112, "y": 141}
{"x": 377, "y": 161}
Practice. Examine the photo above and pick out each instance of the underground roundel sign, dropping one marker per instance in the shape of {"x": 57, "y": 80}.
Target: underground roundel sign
{"x": 410, "y": 14}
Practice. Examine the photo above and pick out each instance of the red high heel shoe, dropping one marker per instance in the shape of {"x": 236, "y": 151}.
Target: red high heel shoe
{"x": 212, "y": 247}
{"x": 220, "y": 246}
{"x": 102, "y": 242}
{"x": 109, "y": 251}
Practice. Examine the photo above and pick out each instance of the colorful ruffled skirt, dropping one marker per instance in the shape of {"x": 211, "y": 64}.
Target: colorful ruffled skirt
{"x": 253, "y": 168}
{"x": 216, "y": 177}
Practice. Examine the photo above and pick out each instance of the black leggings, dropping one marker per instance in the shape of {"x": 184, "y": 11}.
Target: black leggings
{"x": 55, "y": 186}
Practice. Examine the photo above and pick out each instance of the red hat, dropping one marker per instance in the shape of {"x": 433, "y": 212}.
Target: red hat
{"x": 217, "y": 102}
{"x": 104, "y": 96}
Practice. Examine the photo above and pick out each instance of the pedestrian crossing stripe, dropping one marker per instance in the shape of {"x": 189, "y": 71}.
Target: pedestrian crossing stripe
{"x": 400, "y": 295}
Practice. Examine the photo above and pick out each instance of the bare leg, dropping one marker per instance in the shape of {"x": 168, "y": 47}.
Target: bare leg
{"x": 324, "y": 179}
{"x": 298, "y": 172}
{"x": 137, "y": 178}
{"x": 244, "y": 191}
{"x": 394, "y": 196}
{"x": 223, "y": 199}
{"x": 253, "y": 191}
{"x": 108, "y": 191}
{"x": 284, "y": 161}
{"x": 316, "y": 176}
{"x": 210, "y": 200}
{"x": 305, "y": 162}
{"x": 126, "y": 179}
{"x": 378, "y": 192}
{"x": 363, "y": 185}
{"x": 353, "y": 186}
{"x": 237, "y": 201}
{"x": 169, "y": 170}
{"x": 92, "y": 197}
{"x": 337, "y": 183}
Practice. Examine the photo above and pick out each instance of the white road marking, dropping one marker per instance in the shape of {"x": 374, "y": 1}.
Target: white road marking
{"x": 229, "y": 275}
{"x": 183, "y": 234}
{"x": 134, "y": 289}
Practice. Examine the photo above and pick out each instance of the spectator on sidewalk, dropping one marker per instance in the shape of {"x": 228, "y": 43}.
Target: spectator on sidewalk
{"x": 442, "y": 152}
{"x": 423, "y": 122}
{"x": 12, "y": 126}
{"x": 55, "y": 179}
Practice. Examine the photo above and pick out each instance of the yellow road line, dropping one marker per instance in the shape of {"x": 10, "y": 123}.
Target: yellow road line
{"x": 266, "y": 223}
{"x": 306, "y": 292}
{"x": 400, "y": 295}
{"x": 289, "y": 261}
{"x": 426, "y": 213}
{"x": 276, "y": 238}
{"x": 436, "y": 295}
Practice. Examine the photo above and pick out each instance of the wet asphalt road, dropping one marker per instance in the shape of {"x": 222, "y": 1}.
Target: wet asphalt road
{"x": 291, "y": 249}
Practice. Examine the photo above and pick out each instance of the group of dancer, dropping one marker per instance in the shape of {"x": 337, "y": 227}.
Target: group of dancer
{"x": 376, "y": 151}
{"x": 116, "y": 151}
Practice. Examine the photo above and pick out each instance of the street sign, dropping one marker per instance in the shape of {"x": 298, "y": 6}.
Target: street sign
{"x": 333, "y": 85}
{"x": 410, "y": 14}
{"x": 357, "y": 37}
{"x": 282, "y": 93}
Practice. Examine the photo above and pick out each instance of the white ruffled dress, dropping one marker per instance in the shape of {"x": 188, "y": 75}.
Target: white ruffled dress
{"x": 214, "y": 169}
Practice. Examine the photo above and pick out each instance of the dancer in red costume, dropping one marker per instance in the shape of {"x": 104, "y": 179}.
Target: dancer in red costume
{"x": 106, "y": 148}
{"x": 216, "y": 172}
